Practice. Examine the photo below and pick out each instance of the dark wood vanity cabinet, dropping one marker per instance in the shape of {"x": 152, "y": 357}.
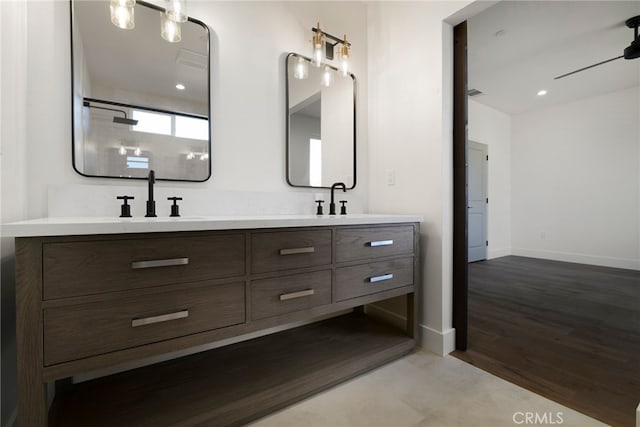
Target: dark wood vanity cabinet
{"x": 87, "y": 303}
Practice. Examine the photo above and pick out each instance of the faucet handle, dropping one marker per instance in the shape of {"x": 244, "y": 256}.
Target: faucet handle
{"x": 343, "y": 207}
{"x": 319, "y": 210}
{"x": 175, "y": 209}
{"x": 125, "y": 209}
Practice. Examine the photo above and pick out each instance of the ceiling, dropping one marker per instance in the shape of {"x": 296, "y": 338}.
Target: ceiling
{"x": 516, "y": 48}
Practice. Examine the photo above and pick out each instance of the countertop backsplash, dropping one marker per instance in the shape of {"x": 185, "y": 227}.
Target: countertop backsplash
{"x": 100, "y": 201}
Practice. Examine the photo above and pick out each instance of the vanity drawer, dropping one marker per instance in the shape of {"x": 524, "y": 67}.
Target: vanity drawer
{"x": 93, "y": 267}
{"x": 279, "y": 295}
{"x": 363, "y": 243}
{"x": 289, "y": 249}
{"x": 84, "y": 330}
{"x": 365, "y": 279}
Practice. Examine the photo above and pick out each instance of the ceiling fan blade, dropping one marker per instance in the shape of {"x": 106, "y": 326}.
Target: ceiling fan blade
{"x": 590, "y": 66}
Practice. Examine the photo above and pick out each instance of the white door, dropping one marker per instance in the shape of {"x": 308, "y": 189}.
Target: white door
{"x": 477, "y": 203}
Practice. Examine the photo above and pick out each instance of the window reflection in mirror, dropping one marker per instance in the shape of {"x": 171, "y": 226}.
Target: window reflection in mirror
{"x": 320, "y": 125}
{"x": 139, "y": 102}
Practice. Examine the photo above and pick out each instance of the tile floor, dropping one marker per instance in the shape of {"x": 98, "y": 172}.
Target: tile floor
{"x": 423, "y": 389}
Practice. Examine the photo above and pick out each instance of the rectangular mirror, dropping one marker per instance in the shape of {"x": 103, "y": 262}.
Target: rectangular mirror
{"x": 321, "y": 124}
{"x": 139, "y": 102}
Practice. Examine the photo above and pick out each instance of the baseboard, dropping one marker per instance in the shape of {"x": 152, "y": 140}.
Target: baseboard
{"x": 625, "y": 263}
{"x": 390, "y": 317}
{"x": 497, "y": 253}
{"x": 441, "y": 343}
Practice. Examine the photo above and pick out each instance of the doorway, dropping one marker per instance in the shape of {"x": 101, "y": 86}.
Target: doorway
{"x": 477, "y": 192}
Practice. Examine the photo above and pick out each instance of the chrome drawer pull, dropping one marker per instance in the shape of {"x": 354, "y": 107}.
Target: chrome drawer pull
{"x": 300, "y": 294}
{"x": 159, "y": 263}
{"x": 381, "y": 243}
{"x": 159, "y": 319}
{"x": 293, "y": 251}
{"x": 381, "y": 278}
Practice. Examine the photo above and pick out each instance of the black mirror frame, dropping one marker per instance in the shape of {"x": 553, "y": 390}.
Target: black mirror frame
{"x": 73, "y": 154}
{"x": 286, "y": 115}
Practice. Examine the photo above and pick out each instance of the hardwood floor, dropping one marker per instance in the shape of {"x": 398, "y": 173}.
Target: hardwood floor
{"x": 569, "y": 332}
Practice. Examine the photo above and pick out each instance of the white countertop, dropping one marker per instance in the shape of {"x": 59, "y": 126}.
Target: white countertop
{"x": 99, "y": 225}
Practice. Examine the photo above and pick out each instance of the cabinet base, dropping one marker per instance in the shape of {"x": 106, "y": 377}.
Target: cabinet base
{"x": 235, "y": 384}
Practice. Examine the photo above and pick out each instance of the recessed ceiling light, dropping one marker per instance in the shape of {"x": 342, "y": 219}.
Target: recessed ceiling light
{"x": 542, "y": 92}
{"x": 180, "y": 86}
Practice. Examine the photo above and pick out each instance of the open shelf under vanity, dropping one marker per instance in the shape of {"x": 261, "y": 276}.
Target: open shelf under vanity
{"x": 235, "y": 384}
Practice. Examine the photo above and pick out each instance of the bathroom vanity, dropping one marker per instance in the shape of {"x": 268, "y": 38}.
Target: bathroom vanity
{"x": 96, "y": 294}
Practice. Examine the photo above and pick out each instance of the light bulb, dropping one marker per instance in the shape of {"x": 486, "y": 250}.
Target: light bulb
{"x": 190, "y": 156}
{"x": 137, "y": 151}
{"x": 317, "y": 55}
{"x": 122, "y": 15}
{"x": 301, "y": 70}
{"x": 122, "y": 151}
{"x": 177, "y": 10}
{"x": 327, "y": 76}
{"x": 169, "y": 29}
{"x": 344, "y": 57}
{"x": 318, "y": 43}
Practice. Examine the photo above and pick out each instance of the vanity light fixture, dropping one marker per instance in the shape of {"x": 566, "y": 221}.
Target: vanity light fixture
{"x": 318, "y": 43}
{"x": 124, "y": 150}
{"x": 201, "y": 156}
{"x": 327, "y": 76}
{"x": 177, "y": 10}
{"x": 344, "y": 56}
{"x": 301, "y": 69}
{"x": 329, "y": 42}
{"x": 122, "y": 15}
{"x": 175, "y": 14}
{"x": 169, "y": 29}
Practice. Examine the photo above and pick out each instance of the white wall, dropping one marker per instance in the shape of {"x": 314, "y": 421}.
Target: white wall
{"x": 575, "y": 181}
{"x": 493, "y": 128}
{"x": 410, "y": 133}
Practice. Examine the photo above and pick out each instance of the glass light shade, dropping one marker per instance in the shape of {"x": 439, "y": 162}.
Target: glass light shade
{"x": 122, "y": 14}
{"x": 344, "y": 59}
{"x": 327, "y": 76}
{"x": 191, "y": 156}
{"x": 301, "y": 70}
{"x": 170, "y": 29}
{"x": 137, "y": 151}
{"x": 177, "y": 10}
{"x": 318, "y": 44}
{"x": 122, "y": 151}
{"x": 317, "y": 55}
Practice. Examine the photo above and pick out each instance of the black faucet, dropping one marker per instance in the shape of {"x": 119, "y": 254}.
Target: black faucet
{"x": 332, "y": 205}
{"x": 151, "y": 204}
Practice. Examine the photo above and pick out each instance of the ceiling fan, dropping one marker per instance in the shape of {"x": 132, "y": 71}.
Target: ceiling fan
{"x": 631, "y": 52}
